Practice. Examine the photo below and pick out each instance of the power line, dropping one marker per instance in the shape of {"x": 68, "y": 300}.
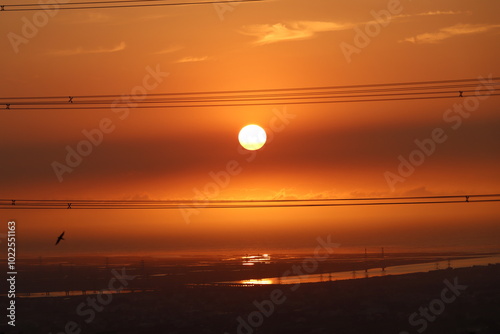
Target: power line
{"x": 111, "y": 4}
{"x": 242, "y": 204}
{"x": 243, "y": 99}
{"x": 351, "y": 87}
{"x": 246, "y": 104}
{"x": 87, "y": 3}
{"x": 428, "y": 90}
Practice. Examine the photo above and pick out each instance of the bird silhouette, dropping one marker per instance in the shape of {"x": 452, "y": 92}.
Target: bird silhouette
{"x": 59, "y": 238}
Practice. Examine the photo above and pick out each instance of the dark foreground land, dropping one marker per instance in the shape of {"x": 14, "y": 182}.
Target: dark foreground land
{"x": 447, "y": 301}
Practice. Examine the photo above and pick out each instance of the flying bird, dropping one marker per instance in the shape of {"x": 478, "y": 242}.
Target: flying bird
{"x": 59, "y": 238}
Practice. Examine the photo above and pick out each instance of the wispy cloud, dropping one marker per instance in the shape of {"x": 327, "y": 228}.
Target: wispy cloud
{"x": 433, "y": 13}
{"x": 301, "y": 30}
{"x": 191, "y": 59}
{"x": 169, "y": 49}
{"x": 441, "y": 12}
{"x": 449, "y": 32}
{"x": 284, "y": 194}
{"x": 80, "y": 50}
{"x": 298, "y": 30}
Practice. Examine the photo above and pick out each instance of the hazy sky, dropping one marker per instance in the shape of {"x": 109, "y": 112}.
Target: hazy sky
{"x": 323, "y": 150}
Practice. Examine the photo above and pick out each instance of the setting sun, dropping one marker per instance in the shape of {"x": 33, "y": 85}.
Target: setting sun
{"x": 252, "y": 137}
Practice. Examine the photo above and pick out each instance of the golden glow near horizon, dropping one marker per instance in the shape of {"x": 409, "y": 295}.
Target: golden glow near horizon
{"x": 262, "y": 281}
{"x": 252, "y": 137}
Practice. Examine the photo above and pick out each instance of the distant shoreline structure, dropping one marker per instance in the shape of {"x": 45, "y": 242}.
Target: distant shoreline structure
{"x": 76, "y": 293}
{"x": 158, "y": 274}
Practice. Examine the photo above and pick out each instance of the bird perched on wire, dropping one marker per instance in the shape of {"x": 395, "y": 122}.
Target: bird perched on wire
{"x": 59, "y": 238}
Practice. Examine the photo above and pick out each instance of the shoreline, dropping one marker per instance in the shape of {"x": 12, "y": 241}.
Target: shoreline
{"x": 373, "y": 305}
{"x": 68, "y": 280}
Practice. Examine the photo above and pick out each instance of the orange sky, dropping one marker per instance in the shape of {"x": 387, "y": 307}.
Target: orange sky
{"x": 324, "y": 150}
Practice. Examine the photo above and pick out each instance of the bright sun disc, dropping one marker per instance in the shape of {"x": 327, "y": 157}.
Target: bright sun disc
{"x": 252, "y": 137}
